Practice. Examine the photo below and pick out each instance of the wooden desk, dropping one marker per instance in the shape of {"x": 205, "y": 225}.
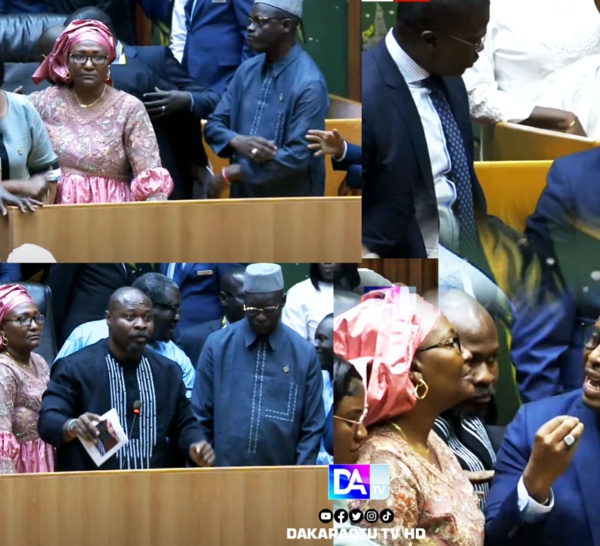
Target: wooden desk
{"x": 224, "y": 230}
{"x": 216, "y": 507}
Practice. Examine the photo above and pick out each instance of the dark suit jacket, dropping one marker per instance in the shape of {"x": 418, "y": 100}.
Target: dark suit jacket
{"x": 352, "y": 163}
{"x": 566, "y": 227}
{"x": 575, "y": 518}
{"x": 353, "y": 157}
{"x": 192, "y": 339}
{"x": 216, "y": 41}
{"x": 199, "y": 284}
{"x": 399, "y": 199}
{"x": 121, "y": 13}
{"x": 179, "y": 137}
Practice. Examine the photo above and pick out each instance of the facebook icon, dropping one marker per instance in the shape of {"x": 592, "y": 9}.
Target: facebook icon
{"x": 341, "y": 516}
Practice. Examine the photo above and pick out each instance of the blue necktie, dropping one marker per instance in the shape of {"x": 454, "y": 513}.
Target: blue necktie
{"x": 460, "y": 173}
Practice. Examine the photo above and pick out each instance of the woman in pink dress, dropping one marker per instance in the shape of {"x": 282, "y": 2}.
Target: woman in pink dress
{"x": 24, "y": 376}
{"x": 103, "y": 137}
{"x": 414, "y": 367}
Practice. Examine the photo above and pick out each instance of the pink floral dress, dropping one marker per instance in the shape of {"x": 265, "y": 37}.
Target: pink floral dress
{"x": 443, "y": 504}
{"x": 99, "y": 154}
{"x": 21, "y": 449}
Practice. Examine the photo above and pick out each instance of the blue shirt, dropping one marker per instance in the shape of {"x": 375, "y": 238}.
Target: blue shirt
{"x": 259, "y": 399}
{"x": 278, "y": 101}
{"x": 90, "y": 332}
{"x": 324, "y": 457}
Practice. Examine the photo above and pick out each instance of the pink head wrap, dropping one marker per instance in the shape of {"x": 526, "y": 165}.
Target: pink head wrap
{"x": 384, "y": 331}
{"x": 11, "y": 296}
{"x": 55, "y": 64}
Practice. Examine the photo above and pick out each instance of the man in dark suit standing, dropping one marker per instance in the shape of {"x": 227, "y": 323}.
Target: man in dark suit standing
{"x": 419, "y": 184}
{"x": 211, "y": 37}
{"x": 200, "y": 286}
{"x": 192, "y": 339}
{"x": 175, "y": 102}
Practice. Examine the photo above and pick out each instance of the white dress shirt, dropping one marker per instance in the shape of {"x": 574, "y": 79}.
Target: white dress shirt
{"x": 305, "y": 307}
{"x": 445, "y": 190}
{"x": 538, "y": 53}
{"x": 178, "y": 29}
{"x": 531, "y": 510}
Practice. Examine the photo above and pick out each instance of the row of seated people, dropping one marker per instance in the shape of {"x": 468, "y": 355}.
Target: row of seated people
{"x": 412, "y": 377}
{"x": 291, "y": 352}
{"x": 105, "y": 140}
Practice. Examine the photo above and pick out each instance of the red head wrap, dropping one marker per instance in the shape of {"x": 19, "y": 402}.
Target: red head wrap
{"x": 55, "y": 65}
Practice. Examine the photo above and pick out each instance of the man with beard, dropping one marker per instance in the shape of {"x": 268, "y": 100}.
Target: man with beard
{"x": 463, "y": 428}
{"x": 272, "y": 102}
{"x": 166, "y": 306}
{"x": 120, "y": 373}
{"x": 259, "y": 391}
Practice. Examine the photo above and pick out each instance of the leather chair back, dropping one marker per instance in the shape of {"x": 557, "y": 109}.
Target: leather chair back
{"x": 19, "y": 35}
{"x": 42, "y": 296}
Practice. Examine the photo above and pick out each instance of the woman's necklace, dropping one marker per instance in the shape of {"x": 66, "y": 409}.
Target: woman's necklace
{"x": 22, "y": 364}
{"x": 91, "y": 103}
{"x": 418, "y": 449}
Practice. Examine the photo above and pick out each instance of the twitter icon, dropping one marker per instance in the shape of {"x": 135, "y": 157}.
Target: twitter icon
{"x": 356, "y": 516}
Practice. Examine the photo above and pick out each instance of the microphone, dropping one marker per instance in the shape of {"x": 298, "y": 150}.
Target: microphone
{"x": 137, "y": 409}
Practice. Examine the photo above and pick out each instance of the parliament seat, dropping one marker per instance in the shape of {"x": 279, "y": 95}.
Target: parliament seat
{"x": 350, "y": 129}
{"x": 343, "y": 108}
{"x": 512, "y": 188}
{"x": 515, "y": 142}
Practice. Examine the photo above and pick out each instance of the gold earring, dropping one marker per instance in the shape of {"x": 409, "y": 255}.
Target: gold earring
{"x": 4, "y": 341}
{"x": 108, "y": 75}
{"x": 68, "y": 75}
{"x": 421, "y": 383}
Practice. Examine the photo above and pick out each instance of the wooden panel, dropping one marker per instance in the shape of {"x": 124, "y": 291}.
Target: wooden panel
{"x": 350, "y": 129}
{"x": 514, "y": 142}
{"x": 512, "y": 188}
{"x": 286, "y": 230}
{"x": 420, "y": 273}
{"x": 217, "y": 507}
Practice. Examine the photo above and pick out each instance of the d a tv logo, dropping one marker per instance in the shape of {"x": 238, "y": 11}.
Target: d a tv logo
{"x": 359, "y": 481}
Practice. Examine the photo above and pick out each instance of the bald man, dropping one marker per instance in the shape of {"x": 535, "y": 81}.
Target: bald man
{"x": 120, "y": 373}
{"x": 463, "y": 427}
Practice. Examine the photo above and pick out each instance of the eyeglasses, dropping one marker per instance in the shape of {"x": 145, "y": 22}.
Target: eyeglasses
{"x": 82, "y": 59}
{"x": 477, "y": 46}
{"x": 175, "y": 309}
{"x": 26, "y": 321}
{"x": 355, "y": 424}
{"x": 262, "y": 21}
{"x": 452, "y": 342}
{"x": 259, "y": 310}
